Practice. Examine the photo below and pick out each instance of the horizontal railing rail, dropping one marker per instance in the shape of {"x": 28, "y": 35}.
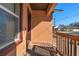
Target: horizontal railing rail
{"x": 66, "y": 44}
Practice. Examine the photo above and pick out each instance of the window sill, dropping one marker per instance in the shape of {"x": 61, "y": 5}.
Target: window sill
{"x": 6, "y": 45}
{"x": 5, "y": 49}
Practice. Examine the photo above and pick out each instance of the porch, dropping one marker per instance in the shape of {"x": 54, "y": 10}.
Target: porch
{"x": 36, "y": 37}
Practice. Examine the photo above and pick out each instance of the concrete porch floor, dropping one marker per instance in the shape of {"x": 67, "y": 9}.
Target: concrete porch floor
{"x": 43, "y": 51}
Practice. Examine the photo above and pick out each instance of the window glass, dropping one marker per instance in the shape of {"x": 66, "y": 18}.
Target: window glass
{"x": 10, "y": 6}
{"x": 9, "y": 27}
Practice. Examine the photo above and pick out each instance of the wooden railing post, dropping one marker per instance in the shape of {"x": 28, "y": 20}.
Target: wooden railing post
{"x": 75, "y": 48}
{"x": 59, "y": 42}
{"x": 56, "y": 41}
{"x": 65, "y": 46}
{"x": 68, "y": 46}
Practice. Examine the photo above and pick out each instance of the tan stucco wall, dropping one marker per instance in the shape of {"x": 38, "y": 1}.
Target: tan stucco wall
{"x": 21, "y": 48}
{"x": 41, "y": 28}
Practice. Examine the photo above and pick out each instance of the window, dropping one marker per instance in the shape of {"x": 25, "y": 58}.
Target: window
{"x": 9, "y": 23}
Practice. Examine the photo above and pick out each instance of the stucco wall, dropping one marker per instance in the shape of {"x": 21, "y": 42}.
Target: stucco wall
{"x": 41, "y": 28}
{"x": 21, "y": 48}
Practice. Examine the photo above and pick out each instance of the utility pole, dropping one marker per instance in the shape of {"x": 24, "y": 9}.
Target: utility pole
{"x": 53, "y": 18}
{"x": 54, "y": 21}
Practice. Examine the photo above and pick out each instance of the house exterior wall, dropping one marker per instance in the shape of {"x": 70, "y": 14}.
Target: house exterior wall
{"x": 75, "y": 29}
{"x": 41, "y": 31}
{"x": 19, "y": 49}
{"x": 41, "y": 28}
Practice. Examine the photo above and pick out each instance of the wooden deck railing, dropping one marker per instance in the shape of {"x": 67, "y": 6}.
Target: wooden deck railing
{"x": 66, "y": 44}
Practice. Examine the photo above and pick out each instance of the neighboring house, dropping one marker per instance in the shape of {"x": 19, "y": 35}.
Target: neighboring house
{"x": 75, "y": 28}
{"x": 68, "y": 28}
{"x": 61, "y": 27}
{"x": 71, "y": 28}
{"x": 54, "y": 28}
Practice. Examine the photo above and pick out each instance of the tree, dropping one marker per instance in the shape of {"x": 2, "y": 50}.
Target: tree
{"x": 74, "y": 24}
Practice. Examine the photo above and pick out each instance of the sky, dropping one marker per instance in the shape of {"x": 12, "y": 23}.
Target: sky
{"x": 69, "y": 15}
